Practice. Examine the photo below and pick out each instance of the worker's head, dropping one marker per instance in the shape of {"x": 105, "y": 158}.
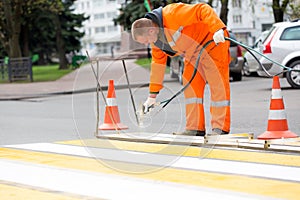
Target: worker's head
{"x": 144, "y": 31}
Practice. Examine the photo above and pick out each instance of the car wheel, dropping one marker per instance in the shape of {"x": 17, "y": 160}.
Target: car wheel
{"x": 246, "y": 71}
{"x": 236, "y": 76}
{"x": 180, "y": 78}
{"x": 172, "y": 73}
{"x": 293, "y": 77}
{"x": 171, "y": 63}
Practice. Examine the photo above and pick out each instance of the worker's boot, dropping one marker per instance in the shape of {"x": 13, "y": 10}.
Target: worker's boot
{"x": 191, "y": 133}
{"x": 217, "y": 131}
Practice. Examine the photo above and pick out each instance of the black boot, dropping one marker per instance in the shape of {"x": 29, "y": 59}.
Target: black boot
{"x": 191, "y": 133}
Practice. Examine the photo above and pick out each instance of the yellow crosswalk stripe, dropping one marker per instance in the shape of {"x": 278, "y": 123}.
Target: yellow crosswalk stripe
{"x": 214, "y": 153}
{"x": 237, "y": 183}
{"x": 17, "y": 192}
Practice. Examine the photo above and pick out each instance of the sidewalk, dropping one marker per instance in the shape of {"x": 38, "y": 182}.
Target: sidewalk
{"x": 81, "y": 80}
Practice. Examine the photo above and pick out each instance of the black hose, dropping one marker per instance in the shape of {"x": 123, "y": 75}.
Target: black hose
{"x": 249, "y": 49}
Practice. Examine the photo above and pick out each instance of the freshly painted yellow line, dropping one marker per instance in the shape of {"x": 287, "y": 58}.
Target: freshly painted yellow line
{"x": 10, "y": 192}
{"x": 250, "y": 185}
{"x": 235, "y": 155}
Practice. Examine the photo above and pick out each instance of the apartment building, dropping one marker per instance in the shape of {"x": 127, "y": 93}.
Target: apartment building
{"x": 101, "y": 35}
{"x": 246, "y": 18}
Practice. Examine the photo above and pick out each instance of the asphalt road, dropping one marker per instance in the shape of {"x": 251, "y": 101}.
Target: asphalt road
{"x": 48, "y": 150}
{"x": 68, "y": 117}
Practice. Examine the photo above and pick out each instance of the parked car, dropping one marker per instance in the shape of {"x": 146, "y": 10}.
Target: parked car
{"x": 236, "y": 65}
{"x": 176, "y": 67}
{"x": 237, "y": 60}
{"x": 250, "y": 64}
{"x": 282, "y": 45}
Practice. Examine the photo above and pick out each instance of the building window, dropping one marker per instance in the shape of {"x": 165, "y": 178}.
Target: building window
{"x": 100, "y": 29}
{"x": 236, "y": 4}
{"x": 98, "y": 3}
{"x": 111, "y": 14}
{"x": 237, "y": 19}
{"x": 112, "y": 28}
{"x": 99, "y": 16}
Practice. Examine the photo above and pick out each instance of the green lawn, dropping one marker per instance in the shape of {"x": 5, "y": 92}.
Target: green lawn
{"x": 42, "y": 74}
{"x": 48, "y": 73}
{"x": 146, "y": 63}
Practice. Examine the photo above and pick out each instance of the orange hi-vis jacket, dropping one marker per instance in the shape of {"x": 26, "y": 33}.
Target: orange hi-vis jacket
{"x": 184, "y": 28}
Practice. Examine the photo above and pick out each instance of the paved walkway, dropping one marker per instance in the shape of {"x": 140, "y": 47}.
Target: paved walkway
{"x": 81, "y": 80}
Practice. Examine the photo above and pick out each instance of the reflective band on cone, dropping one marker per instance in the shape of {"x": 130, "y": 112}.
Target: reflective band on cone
{"x": 277, "y": 122}
{"x": 112, "y": 117}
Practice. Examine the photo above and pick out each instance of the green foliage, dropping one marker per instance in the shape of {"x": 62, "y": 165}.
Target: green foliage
{"x": 14, "y": 15}
{"x": 295, "y": 10}
{"x": 146, "y": 63}
{"x": 136, "y": 9}
{"x": 37, "y": 33}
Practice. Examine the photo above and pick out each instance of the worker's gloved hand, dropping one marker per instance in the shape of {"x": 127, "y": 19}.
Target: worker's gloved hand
{"x": 219, "y": 36}
{"x": 149, "y": 104}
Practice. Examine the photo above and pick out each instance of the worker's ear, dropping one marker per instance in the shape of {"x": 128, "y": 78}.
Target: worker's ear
{"x": 151, "y": 31}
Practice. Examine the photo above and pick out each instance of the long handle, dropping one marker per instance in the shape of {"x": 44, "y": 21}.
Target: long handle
{"x": 132, "y": 99}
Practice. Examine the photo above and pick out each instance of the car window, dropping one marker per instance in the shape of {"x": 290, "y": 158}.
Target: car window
{"x": 269, "y": 33}
{"x": 261, "y": 38}
{"x": 292, "y": 33}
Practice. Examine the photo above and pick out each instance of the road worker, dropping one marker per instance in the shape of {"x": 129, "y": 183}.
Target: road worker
{"x": 182, "y": 29}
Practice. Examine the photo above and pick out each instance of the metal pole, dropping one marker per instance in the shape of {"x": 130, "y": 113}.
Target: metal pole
{"x": 100, "y": 89}
{"x": 132, "y": 99}
{"x": 97, "y": 99}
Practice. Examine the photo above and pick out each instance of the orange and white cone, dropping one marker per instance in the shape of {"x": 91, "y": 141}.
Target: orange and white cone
{"x": 112, "y": 117}
{"x": 277, "y": 122}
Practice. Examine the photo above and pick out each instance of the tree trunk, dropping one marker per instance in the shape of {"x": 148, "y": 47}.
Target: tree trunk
{"x": 61, "y": 49}
{"x": 25, "y": 40}
{"x": 278, "y": 10}
{"x": 224, "y": 11}
{"x": 13, "y": 19}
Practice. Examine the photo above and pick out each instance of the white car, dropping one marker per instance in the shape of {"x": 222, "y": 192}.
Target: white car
{"x": 282, "y": 45}
{"x": 250, "y": 64}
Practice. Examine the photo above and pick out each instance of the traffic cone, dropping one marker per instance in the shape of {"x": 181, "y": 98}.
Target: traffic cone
{"x": 277, "y": 122}
{"x": 112, "y": 117}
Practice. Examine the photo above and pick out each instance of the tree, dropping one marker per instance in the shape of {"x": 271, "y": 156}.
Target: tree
{"x": 11, "y": 26}
{"x": 294, "y": 13}
{"x": 12, "y": 17}
{"x": 45, "y": 27}
{"x": 42, "y": 39}
{"x": 136, "y": 9}
{"x": 67, "y": 35}
{"x": 279, "y": 10}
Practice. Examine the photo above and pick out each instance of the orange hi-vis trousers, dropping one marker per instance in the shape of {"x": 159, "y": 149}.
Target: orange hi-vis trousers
{"x": 214, "y": 71}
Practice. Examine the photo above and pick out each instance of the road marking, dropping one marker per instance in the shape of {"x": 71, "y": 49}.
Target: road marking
{"x": 287, "y": 173}
{"x": 8, "y": 191}
{"x": 105, "y": 186}
{"x": 213, "y": 179}
{"x": 192, "y": 151}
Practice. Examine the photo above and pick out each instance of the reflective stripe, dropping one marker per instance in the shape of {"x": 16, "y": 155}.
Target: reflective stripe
{"x": 277, "y": 114}
{"x": 194, "y": 100}
{"x": 176, "y": 36}
{"x": 276, "y": 94}
{"x": 111, "y": 102}
{"x": 220, "y": 103}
